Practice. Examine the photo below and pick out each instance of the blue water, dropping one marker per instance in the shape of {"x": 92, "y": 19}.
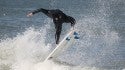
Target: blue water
{"x": 25, "y": 41}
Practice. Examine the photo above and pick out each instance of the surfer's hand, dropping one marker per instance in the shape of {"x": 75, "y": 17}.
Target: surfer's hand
{"x": 30, "y": 14}
{"x": 72, "y": 28}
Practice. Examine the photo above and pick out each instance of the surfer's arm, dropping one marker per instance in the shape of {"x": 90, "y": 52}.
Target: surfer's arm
{"x": 34, "y": 12}
{"x": 72, "y": 21}
{"x": 69, "y": 19}
{"x": 45, "y": 11}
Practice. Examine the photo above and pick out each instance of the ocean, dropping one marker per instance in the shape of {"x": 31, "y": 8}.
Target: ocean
{"x": 26, "y": 41}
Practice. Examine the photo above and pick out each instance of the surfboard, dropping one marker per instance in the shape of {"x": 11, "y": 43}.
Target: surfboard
{"x": 67, "y": 41}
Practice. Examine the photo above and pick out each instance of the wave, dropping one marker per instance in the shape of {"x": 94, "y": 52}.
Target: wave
{"x": 26, "y": 51}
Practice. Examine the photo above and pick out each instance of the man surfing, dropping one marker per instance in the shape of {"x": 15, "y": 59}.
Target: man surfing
{"x": 58, "y": 18}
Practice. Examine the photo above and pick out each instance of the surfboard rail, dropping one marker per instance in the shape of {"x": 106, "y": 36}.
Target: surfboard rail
{"x": 65, "y": 43}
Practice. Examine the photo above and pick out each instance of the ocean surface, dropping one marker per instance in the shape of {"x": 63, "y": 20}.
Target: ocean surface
{"x": 26, "y": 41}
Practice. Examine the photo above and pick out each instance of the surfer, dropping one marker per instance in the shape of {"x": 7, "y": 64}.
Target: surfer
{"x": 58, "y": 18}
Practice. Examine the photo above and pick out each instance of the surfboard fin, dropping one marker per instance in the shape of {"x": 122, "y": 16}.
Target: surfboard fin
{"x": 67, "y": 38}
{"x": 76, "y": 35}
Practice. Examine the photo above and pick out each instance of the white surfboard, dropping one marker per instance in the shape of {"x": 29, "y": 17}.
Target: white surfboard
{"x": 68, "y": 41}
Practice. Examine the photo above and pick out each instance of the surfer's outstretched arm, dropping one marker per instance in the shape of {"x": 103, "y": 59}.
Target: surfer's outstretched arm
{"x": 45, "y": 11}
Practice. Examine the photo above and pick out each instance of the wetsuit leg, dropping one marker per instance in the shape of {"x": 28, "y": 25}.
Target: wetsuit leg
{"x": 58, "y": 32}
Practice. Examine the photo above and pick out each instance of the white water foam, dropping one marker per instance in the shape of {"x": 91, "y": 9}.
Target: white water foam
{"x": 27, "y": 50}
{"x": 27, "y": 47}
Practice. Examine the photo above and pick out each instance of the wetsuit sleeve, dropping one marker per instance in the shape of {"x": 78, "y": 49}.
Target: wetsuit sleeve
{"x": 36, "y": 11}
{"x": 72, "y": 20}
{"x": 45, "y": 11}
{"x": 73, "y": 23}
{"x": 40, "y": 10}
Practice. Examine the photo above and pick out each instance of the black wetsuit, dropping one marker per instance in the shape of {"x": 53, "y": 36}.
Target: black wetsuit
{"x": 58, "y": 18}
